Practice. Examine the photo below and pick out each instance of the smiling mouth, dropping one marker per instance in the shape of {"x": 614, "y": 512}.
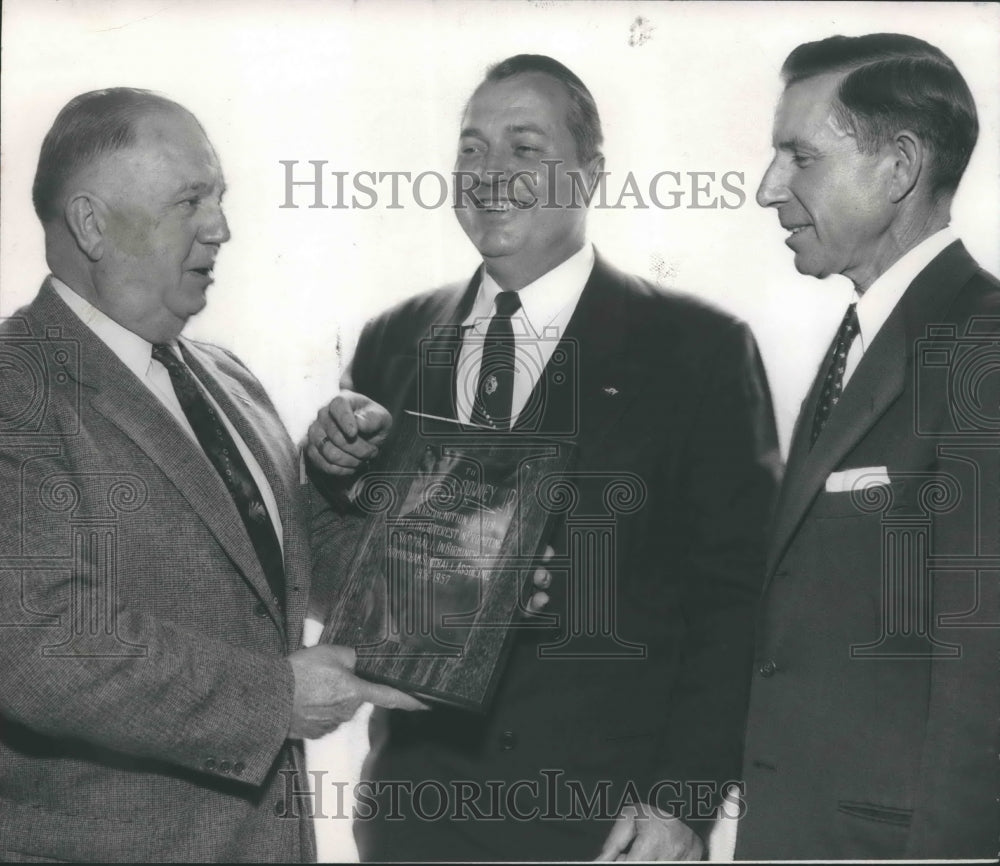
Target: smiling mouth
{"x": 796, "y": 229}
{"x": 205, "y": 272}
{"x": 499, "y": 206}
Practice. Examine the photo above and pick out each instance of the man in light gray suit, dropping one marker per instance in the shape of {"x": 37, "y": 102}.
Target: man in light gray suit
{"x": 154, "y": 556}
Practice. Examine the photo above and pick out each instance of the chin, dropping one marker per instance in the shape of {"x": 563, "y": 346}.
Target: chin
{"x": 191, "y": 308}
{"x": 492, "y": 244}
{"x": 809, "y": 269}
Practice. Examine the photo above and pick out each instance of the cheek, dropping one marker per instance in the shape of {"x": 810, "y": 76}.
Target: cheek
{"x": 130, "y": 234}
{"x": 527, "y": 186}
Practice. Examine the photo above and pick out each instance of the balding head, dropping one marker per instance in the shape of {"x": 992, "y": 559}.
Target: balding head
{"x": 129, "y": 190}
{"x": 90, "y": 126}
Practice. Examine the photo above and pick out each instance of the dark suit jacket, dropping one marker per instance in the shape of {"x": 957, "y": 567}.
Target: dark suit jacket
{"x": 873, "y": 727}
{"x": 667, "y": 402}
{"x": 145, "y": 695}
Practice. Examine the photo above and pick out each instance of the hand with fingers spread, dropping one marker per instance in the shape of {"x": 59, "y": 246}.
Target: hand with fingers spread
{"x": 346, "y": 433}
{"x": 327, "y": 693}
{"x": 643, "y": 832}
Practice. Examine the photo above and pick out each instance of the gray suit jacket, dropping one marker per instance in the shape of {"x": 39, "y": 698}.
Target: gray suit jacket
{"x": 145, "y": 694}
{"x": 873, "y": 729}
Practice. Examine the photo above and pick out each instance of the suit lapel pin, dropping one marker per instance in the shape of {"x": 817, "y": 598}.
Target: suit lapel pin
{"x": 610, "y": 390}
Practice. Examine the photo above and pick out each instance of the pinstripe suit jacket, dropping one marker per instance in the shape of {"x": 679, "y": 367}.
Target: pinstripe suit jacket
{"x": 145, "y": 696}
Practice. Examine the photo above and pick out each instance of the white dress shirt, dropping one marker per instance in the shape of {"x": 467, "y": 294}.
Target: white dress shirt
{"x": 547, "y": 305}
{"x": 137, "y": 354}
{"x": 877, "y": 303}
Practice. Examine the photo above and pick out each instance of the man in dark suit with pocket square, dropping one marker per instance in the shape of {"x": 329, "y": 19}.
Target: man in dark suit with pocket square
{"x": 636, "y": 688}
{"x": 875, "y": 707}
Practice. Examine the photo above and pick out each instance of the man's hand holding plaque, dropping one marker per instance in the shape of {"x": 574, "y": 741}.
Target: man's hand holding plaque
{"x": 347, "y": 432}
{"x": 327, "y": 693}
{"x": 454, "y": 527}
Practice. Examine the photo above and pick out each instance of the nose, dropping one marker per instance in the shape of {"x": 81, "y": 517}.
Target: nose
{"x": 493, "y": 168}
{"x": 496, "y": 165}
{"x": 773, "y": 188}
{"x": 214, "y": 228}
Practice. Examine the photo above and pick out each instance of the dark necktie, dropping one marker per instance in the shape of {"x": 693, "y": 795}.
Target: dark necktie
{"x": 221, "y": 450}
{"x": 833, "y": 382}
{"x": 495, "y": 390}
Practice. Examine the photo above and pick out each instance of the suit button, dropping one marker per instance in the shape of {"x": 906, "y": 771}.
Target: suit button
{"x": 767, "y": 668}
{"x": 239, "y": 767}
{"x": 210, "y": 764}
{"x": 260, "y": 609}
{"x": 225, "y": 767}
{"x": 508, "y": 739}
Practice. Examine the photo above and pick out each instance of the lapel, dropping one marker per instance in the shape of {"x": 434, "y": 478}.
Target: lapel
{"x": 877, "y": 382}
{"x": 431, "y": 383}
{"x": 115, "y": 393}
{"x": 603, "y": 377}
{"x": 267, "y": 440}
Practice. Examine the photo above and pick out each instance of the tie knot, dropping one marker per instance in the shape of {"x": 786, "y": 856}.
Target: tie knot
{"x": 508, "y": 303}
{"x": 850, "y": 324}
{"x": 164, "y": 354}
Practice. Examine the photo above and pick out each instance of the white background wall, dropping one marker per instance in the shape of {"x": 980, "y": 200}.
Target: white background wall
{"x": 380, "y": 86}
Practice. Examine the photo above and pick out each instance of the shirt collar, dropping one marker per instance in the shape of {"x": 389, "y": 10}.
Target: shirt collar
{"x": 133, "y": 351}
{"x": 542, "y": 300}
{"x": 878, "y": 302}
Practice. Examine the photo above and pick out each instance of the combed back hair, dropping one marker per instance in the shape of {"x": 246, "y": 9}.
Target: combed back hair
{"x": 583, "y": 120}
{"x": 896, "y": 82}
{"x": 89, "y": 125}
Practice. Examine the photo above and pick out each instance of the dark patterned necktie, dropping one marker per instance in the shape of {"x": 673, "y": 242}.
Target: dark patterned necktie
{"x": 495, "y": 390}
{"x": 833, "y": 382}
{"x": 221, "y": 450}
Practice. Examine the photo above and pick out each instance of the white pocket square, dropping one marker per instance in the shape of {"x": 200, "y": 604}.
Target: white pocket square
{"x": 857, "y": 479}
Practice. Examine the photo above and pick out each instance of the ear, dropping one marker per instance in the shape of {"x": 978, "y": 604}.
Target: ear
{"x": 85, "y": 219}
{"x": 909, "y": 154}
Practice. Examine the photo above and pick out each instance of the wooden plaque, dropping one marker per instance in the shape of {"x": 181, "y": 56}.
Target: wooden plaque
{"x": 455, "y": 526}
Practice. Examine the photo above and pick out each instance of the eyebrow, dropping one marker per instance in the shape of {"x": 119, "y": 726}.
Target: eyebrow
{"x": 527, "y": 127}
{"x": 795, "y": 143}
{"x": 200, "y": 186}
{"x": 473, "y": 132}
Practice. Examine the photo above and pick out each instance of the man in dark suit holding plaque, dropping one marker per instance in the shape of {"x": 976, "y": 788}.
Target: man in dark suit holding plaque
{"x": 873, "y": 728}
{"x": 635, "y": 688}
